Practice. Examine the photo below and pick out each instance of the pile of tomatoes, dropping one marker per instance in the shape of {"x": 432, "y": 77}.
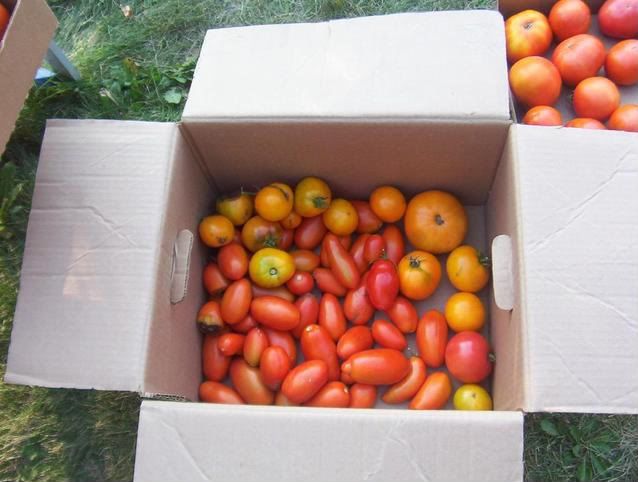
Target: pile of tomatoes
{"x": 298, "y": 326}
{"x": 575, "y": 62}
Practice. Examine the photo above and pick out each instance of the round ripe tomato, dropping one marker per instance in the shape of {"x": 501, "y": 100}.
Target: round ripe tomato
{"x": 332, "y": 395}
{"x": 619, "y": 18}
{"x": 585, "y": 123}
{"x": 382, "y": 284}
{"x": 387, "y": 335}
{"x": 274, "y": 202}
{"x": 233, "y": 261}
{"x": 472, "y": 397}
{"x": 543, "y": 115}
{"x": 527, "y": 33}
{"x": 209, "y": 318}
{"x": 394, "y": 244}
{"x": 331, "y": 316}
{"x": 248, "y": 383}
{"x": 216, "y": 231}
{"x": 419, "y": 275}
{"x": 303, "y": 381}
{"x": 238, "y": 209}
{"x": 328, "y": 283}
{"x": 282, "y": 401}
{"x": 254, "y": 345}
{"x": 312, "y": 197}
{"x": 274, "y": 366}
{"x": 341, "y": 217}
{"x": 305, "y": 260}
{"x": 468, "y": 269}
{"x": 300, "y": 283}
{"x": 310, "y": 233}
{"x": 362, "y": 396}
{"x": 316, "y": 344}
{"x": 275, "y": 313}
{"x": 625, "y": 118}
{"x": 308, "y": 307}
{"x": 436, "y": 222}
{"x": 368, "y": 221}
{"x": 621, "y": 63}
{"x": 431, "y": 338}
{"x": 465, "y": 312}
{"x": 356, "y": 339}
{"x": 578, "y": 58}
{"x": 388, "y": 203}
{"x": 357, "y": 306}
{"x": 231, "y": 344}
{"x": 403, "y": 314}
{"x": 214, "y": 281}
{"x": 291, "y": 221}
{"x": 596, "y": 98}
{"x": 214, "y": 362}
{"x": 245, "y": 325}
{"x": 357, "y": 251}
{"x": 258, "y": 233}
{"x": 5, "y": 16}
{"x": 468, "y": 357}
{"x": 568, "y": 18}
{"x": 434, "y": 393}
{"x": 236, "y": 301}
{"x": 215, "y": 392}
{"x": 284, "y": 340}
{"x": 380, "y": 366}
{"x": 535, "y": 81}
{"x": 270, "y": 267}
{"x": 407, "y": 388}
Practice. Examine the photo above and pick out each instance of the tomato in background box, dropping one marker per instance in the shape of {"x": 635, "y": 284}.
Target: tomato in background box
{"x": 387, "y": 335}
{"x": 214, "y": 363}
{"x": 568, "y": 18}
{"x": 374, "y": 248}
{"x": 236, "y": 301}
{"x": 341, "y": 263}
{"x": 403, "y": 314}
{"x": 596, "y": 98}
{"x": 625, "y": 118}
{"x": 305, "y": 260}
{"x": 275, "y": 313}
{"x": 419, "y": 275}
{"x": 357, "y": 251}
{"x": 300, "y": 283}
{"x": 388, "y": 203}
{"x": 431, "y": 338}
{"x": 310, "y": 233}
{"x": 619, "y": 18}
{"x": 238, "y": 209}
{"x": 407, "y": 388}
{"x": 527, "y": 33}
{"x": 254, "y": 345}
{"x": 332, "y": 395}
{"x": 621, "y": 63}
{"x": 341, "y": 217}
{"x": 354, "y": 340}
{"x": 308, "y": 306}
{"x": 316, "y": 344}
{"x": 274, "y": 365}
{"x": 248, "y": 383}
{"x": 380, "y": 366}
{"x": 357, "y": 306}
{"x": 233, "y": 261}
{"x": 368, "y": 221}
{"x": 303, "y": 381}
{"x": 312, "y": 197}
{"x": 209, "y": 318}
{"x": 270, "y": 267}
{"x": 434, "y": 393}
{"x": 284, "y": 340}
{"x": 468, "y": 269}
{"x": 327, "y": 282}
{"x": 216, "y": 231}
{"x": 464, "y": 312}
{"x": 331, "y": 316}
{"x": 382, "y": 284}
{"x": 274, "y": 202}
{"x": 215, "y": 392}
{"x": 472, "y": 397}
{"x": 585, "y": 123}
{"x": 291, "y": 221}
{"x": 362, "y": 396}
{"x": 394, "y": 243}
{"x": 578, "y": 58}
{"x": 468, "y": 357}
{"x": 543, "y": 115}
{"x": 258, "y": 233}
{"x": 535, "y": 81}
{"x": 435, "y": 221}
{"x": 214, "y": 281}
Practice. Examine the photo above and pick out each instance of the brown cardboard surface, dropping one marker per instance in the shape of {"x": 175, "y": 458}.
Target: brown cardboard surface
{"x": 21, "y": 52}
{"x": 201, "y": 442}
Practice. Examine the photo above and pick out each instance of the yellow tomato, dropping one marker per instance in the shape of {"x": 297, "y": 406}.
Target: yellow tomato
{"x": 464, "y": 312}
{"x": 341, "y": 218}
{"x": 216, "y": 231}
{"x": 312, "y": 197}
{"x": 291, "y": 221}
{"x": 270, "y": 267}
{"x": 388, "y": 203}
{"x": 468, "y": 269}
{"x": 274, "y": 202}
{"x": 472, "y": 397}
{"x": 238, "y": 209}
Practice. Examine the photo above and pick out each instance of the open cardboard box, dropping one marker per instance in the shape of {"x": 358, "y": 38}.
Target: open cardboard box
{"x": 22, "y": 49}
{"x": 419, "y": 101}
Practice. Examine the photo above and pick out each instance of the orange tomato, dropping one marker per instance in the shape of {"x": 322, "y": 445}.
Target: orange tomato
{"x": 596, "y": 98}
{"x": 332, "y": 395}
{"x": 403, "y": 314}
{"x": 275, "y": 312}
{"x": 214, "y": 362}
{"x": 621, "y": 63}
{"x": 625, "y": 118}
{"x": 331, "y": 316}
{"x": 231, "y": 344}
{"x": 354, "y": 340}
{"x": 578, "y": 58}
{"x": 585, "y": 123}
{"x": 215, "y": 392}
{"x": 435, "y": 221}
{"x": 310, "y": 233}
{"x": 407, "y": 388}
{"x": 291, "y": 221}
{"x": 543, "y": 115}
{"x": 362, "y": 396}
{"x": 434, "y": 393}
{"x": 308, "y": 307}
{"x": 305, "y": 260}
{"x": 527, "y": 33}
{"x": 568, "y": 18}
{"x": 214, "y": 281}
{"x": 274, "y": 202}
{"x": 238, "y": 209}
{"x": 233, "y": 261}
{"x": 388, "y": 203}
{"x": 468, "y": 269}
{"x": 312, "y": 197}
{"x": 258, "y": 233}
{"x": 254, "y": 345}
{"x": 216, "y": 231}
{"x": 535, "y": 81}
{"x": 248, "y": 383}
{"x": 209, "y": 318}
{"x": 316, "y": 344}
{"x": 341, "y": 217}
{"x": 387, "y": 335}
{"x": 284, "y": 340}
{"x": 270, "y": 267}
{"x": 305, "y": 380}
{"x": 368, "y": 221}
{"x": 419, "y": 275}
{"x": 431, "y": 338}
{"x": 465, "y": 312}
{"x": 274, "y": 366}
{"x": 379, "y": 366}
{"x": 236, "y": 301}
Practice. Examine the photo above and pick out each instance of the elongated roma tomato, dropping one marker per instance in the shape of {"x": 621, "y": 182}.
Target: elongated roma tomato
{"x": 434, "y": 393}
{"x": 382, "y": 284}
{"x": 357, "y": 306}
{"x": 357, "y": 251}
{"x": 303, "y": 381}
{"x": 215, "y": 392}
{"x": 284, "y": 340}
{"x": 233, "y": 261}
{"x": 300, "y": 283}
{"x": 254, "y": 345}
{"x": 274, "y": 366}
{"x": 280, "y": 292}
{"x": 380, "y": 366}
{"x": 341, "y": 262}
{"x": 214, "y": 281}
{"x": 305, "y": 260}
{"x": 354, "y": 340}
{"x": 431, "y": 338}
{"x": 368, "y": 221}
{"x": 403, "y": 314}
{"x": 327, "y": 282}
{"x": 388, "y": 335}
{"x": 282, "y": 401}
{"x": 231, "y": 343}
{"x": 275, "y": 312}
{"x": 245, "y": 325}
{"x": 331, "y": 395}
{"x": 316, "y": 344}
{"x": 374, "y": 248}
{"x": 362, "y": 396}
{"x": 214, "y": 363}
{"x": 209, "y": 318}
{"x": 236, "y": 301}
{"x": 248, "y": 383}
{"x": 407, "y": 388}
{"x": 309, "y": 233}
{"x": 394, "y": 243}
{"x": 308, "y": 306}
{"x": 331, "y": 316}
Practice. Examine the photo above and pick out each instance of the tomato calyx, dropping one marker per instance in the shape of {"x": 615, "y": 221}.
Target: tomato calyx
{"x": 438, "y": 219}
{"x": 491, "y": 357}
{"x": 320, "y": 202}
{"x": 484, "y": 260}
{"x": 270, "y": 242}
{"x": 273, "y": 271}
{"x": 415, "y": 262}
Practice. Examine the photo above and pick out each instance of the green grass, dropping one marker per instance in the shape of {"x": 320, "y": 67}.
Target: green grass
{"x": 140, "y": 68}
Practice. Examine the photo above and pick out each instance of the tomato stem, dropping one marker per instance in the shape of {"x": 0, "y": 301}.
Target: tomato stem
{"x": 320, "y": 202}
{"x": 439, "y": 220}
{"x": 484, "y": 260}
{"x": 273, "y": 271}
{"x": 491, "y": 357}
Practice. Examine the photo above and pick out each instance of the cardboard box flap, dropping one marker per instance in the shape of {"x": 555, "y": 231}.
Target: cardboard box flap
{"x": 178, "y": 441}
{"x": 22, "y": 49}
{"x": 87, "y": 289}
{"x": 389, "y": 66}
{"x": 579, "y": 224}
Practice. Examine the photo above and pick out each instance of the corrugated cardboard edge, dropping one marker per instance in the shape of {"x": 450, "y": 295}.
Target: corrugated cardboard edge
{"x": 21, "y": 52}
